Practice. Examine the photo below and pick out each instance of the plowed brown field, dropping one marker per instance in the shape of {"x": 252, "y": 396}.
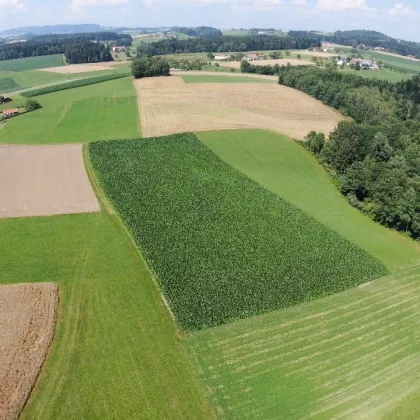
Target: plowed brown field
{"x": 168, "y": 105}
{"x": 27, "y": 323}
{"x": 44, "y": 181}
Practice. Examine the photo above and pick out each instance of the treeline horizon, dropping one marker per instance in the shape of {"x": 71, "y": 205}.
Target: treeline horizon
{"x": 64, "y": 44}
{"x": 226, "y": 44}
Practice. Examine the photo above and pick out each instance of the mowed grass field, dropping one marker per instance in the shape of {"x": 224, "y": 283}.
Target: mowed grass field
{"x": 97, "y": 112}
{"x": 349, "y": 356}
{"x": 116, "y": 353}
{"x": 288, "y": 170}
{"x": 32, "y": 63}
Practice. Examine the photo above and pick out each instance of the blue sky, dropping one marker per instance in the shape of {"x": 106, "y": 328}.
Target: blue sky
{"x": 399, "y": 18}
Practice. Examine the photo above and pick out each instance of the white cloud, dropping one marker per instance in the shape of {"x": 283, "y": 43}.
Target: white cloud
{"x": 342, "y": 5}
{"x": 241, "y": 6}
{"x": 16, "y": 5}
{"x": 401, "y": 10}
{"x": 77, "y": 5}
{"x": 300, "y": 2}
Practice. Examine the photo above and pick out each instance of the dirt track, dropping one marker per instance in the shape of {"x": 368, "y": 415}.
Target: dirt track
{"x": 83, "y": 68}
{"x": 28, "y": 315}
{"x": 168, "y": 105}
{"x": 44, "y": 181}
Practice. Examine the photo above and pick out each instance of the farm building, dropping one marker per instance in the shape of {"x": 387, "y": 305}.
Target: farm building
{"x": 254, "y": 57}
{"x": 118, "y": 49}
{"x": 10, "y": 112}
{"x": 222, "y": 57}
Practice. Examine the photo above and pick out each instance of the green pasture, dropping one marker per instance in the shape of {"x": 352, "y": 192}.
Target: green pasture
{"x": 32, "y": 63}
{"x": 382, "y": 74}
{"x": 224, "y": 79}
{"x": 116, "y": 353}
{"x": 352, "y": 355}
{"x": 287, "y": 169}
{"x": 222, "y": 247}
{"x": 7, "y": 84}
{"x": 97, "y": 112}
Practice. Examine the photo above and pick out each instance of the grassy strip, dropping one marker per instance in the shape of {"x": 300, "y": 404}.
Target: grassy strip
{"x": 74, "y": 84}
{"x": 352, "y": 355}
{"x": 7, "y": 85}
{"x": 32, "y": 63}
{"x": 287, "y": 169}
{"x": 221, "y": 246}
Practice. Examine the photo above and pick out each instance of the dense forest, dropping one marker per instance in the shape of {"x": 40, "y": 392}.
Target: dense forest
{"x": 62, "y": 44}
{"x": 226, "y": 43}
{"x": 375, "y": 157}
{"x": 200, "y": 32}
{"x": 87, "y": 52}
{"x": 363, "y": 37}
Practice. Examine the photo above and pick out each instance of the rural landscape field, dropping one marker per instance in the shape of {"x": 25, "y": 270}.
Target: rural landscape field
{"x": 206, "y": 224}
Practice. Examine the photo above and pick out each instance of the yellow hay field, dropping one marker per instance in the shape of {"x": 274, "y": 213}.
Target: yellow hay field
{"x": 27, "y": 323}
{"x": 168, "y": 105}
{"x": 84, "y": 68}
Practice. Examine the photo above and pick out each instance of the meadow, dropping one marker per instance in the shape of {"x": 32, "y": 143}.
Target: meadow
{"x": 222, "y": 247}
{"x": 7, "y": 84}
{"x": 32, "y": 63}
{"x": 103, "y": 111}
{"x": 116, "y": 353}
{"x": 285, "y": 168}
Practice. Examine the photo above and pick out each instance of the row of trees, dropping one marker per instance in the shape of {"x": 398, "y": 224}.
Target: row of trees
{"x": 87, "y": 52}
{"x": 60, "y": 44}
{"x": 376, "y": 157}
{"x": 362, "y": 37}
{"x": 225, "y": 43}
{"x": 149, "y": 67}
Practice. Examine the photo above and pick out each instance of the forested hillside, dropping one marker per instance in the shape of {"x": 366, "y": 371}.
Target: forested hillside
{"x": 200, "y": 32}
{"x": 363, "y": 37}
{"x": 62, "y": 44}
{"x": 376, "y": 157}
{"x": 226, "y": 43}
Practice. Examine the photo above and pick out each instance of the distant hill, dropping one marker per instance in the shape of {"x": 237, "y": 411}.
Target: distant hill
{"x": 51, "y": 29}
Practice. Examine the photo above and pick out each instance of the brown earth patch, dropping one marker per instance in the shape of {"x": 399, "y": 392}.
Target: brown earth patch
{"x": 83, "y": 68}
{"x": 28, "y": 315}
{"x": 168, "y": 105}
{"x": 44, "y": 181}
{"x": 280, "y": 62}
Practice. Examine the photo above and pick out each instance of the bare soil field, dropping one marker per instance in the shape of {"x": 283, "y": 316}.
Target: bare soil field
{"x": 28, "y": 315}
{"x": 84, "y": 68}
{"x": 168, "y": 105}
{"x": 280, "y": 62}
{"x": 44, "y": 181}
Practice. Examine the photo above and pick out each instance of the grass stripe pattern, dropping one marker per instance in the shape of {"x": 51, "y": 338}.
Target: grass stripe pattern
{"x": 221, "y": 246}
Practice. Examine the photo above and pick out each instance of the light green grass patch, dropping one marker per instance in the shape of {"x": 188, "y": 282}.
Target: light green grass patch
{"x": 224, "y": 79}
{"x": 287, "y": 169}
{"x": 103, "y": 111}
{"x": 32, "y": 63}
{"x": 115, "y": 353}
{"x": 7, "y": 84}
{"x": 351, "y": 355}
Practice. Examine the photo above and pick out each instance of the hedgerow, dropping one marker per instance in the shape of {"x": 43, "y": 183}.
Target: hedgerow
{"x": 74, "y": 84}
{"x": 221, "y": 246}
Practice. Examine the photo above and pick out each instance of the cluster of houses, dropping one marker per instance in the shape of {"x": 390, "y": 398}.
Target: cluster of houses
{"x": 118, "y": 49}
{"x": 8, "y": 113}
{"x": 362, "y": 63}
{"x": 250, "y": 57}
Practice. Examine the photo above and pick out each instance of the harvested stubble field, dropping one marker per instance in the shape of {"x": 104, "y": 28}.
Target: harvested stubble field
{"x": 222, "y": 246}
{"x": 28, "y": 315}
{"x": 280, "y": 62}
{"x": 168, "y": 105}
{"x": 84, "y": 68}
{"x": 44, "y": 180}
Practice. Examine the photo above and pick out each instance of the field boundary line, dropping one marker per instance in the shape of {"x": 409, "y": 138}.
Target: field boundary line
{"x": 113, "y": 211}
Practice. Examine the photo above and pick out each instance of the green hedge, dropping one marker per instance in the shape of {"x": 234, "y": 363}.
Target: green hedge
{"x": 221, "y": 246}
{"x": 73, "y": 84}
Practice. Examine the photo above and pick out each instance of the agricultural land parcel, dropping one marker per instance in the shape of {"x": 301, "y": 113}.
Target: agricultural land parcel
{"x": 234, "y": 245}
{"x": 115, "y": 354}
{"x": 44, "y": 180}
{"x": 32, "y": 63}
{"x": 103, "y": 111}
{"x": 169, "y": 105}
{"x": 28, "y": 315}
